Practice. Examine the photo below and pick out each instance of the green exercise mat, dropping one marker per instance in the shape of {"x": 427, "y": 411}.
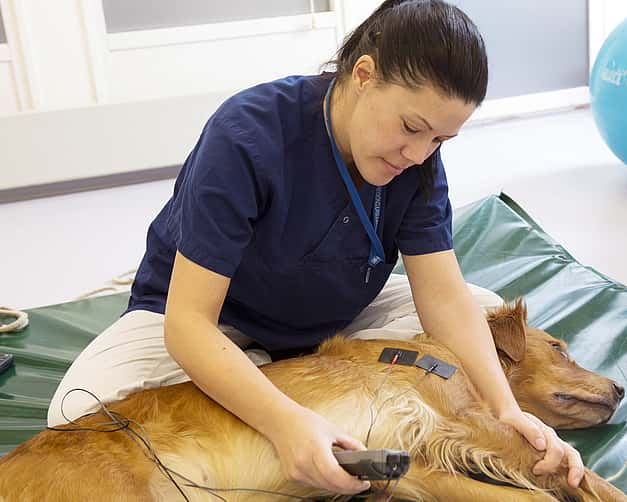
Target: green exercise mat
{"x": 499, "y": 247}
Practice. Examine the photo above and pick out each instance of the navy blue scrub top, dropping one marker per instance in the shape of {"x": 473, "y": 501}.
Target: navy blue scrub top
{"x": 260, "y": 200}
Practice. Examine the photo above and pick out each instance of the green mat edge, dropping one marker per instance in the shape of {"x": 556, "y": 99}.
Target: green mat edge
{"x": 514, "y": 206}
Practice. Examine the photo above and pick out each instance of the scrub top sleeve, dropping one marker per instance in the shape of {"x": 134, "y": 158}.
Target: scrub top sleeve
{"x": 427, "y": 224}
{"x": 218, "y": 202}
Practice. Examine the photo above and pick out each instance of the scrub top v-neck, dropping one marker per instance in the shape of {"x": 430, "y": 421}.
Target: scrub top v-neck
{"x": 260, "y": 200}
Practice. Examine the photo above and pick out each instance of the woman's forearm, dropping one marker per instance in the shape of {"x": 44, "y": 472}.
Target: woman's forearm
{"x": 462, "y": 327}
{"x": 223, "y": 372}
{"x": 475, "y": 347}
{"x": 449, "y": 312}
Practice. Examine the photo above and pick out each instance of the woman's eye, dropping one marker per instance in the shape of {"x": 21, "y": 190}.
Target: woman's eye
{"x": 410, "y": 130}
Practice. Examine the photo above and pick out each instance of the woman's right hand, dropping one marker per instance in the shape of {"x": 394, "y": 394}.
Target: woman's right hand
{"x": 303, "y": 440}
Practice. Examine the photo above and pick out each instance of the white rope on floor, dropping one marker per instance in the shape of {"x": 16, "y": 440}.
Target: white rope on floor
{"x": 124, "y": 279}
{"x": 21, "y": 320}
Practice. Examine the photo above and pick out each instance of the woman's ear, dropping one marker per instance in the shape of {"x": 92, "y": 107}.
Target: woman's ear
{"x": 364, "y": 72}
{"x": 508, "y": 329}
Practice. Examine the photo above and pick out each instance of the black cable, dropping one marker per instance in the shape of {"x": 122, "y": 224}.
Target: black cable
{"x": 393, "y": 489}
{"x": 373, "y": 418}
{"x": 125, "y": 427}
{"x": 124, "y": 424}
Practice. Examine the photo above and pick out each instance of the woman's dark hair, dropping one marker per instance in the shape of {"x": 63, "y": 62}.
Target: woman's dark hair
{"x": 419, "y": 42}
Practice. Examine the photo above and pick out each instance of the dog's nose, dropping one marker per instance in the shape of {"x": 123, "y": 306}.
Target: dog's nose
{"x": 619, "y": 391}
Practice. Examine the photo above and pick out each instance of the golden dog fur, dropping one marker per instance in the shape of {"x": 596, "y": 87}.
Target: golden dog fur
{"x": 444, "y": 424}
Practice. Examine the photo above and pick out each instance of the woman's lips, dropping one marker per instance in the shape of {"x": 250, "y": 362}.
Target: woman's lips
{"x": 391, "y": 167}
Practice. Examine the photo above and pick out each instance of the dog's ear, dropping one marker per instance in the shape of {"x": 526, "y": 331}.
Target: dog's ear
{"x": 508, "y": 329}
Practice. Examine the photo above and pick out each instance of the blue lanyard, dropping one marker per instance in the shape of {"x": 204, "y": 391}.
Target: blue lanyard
{"x": 377, "y": 254}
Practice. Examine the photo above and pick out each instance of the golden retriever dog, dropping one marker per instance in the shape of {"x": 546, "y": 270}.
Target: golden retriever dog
{"x": 450, "y": 433}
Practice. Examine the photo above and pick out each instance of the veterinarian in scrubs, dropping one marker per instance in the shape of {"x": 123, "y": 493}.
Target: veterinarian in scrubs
{"x": 284, "y": 226}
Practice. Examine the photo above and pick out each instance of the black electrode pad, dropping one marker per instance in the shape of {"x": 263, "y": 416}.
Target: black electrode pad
{"x": 405, "y": 357}
{"x": 433, "y": 365}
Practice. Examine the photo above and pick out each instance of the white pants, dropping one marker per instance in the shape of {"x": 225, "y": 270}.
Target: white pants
{"x": 130, "y": 355}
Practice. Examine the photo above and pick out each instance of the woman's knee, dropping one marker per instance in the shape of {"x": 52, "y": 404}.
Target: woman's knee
{"x": 484, "y": 297}
{"x": 68, "y": 404}
{"x": 116, "y": 362}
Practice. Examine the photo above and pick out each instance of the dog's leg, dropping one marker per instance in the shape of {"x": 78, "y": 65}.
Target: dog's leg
{"x": 596, "y": 489}
{"x": 513, "y": 454}
{"x": 437, "y": 486}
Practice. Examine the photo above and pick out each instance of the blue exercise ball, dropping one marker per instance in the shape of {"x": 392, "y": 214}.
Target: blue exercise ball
{"x": 608, "y": 91}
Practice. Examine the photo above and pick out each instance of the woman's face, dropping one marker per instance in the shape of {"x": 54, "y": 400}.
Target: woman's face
{"x": 393, "y": 127}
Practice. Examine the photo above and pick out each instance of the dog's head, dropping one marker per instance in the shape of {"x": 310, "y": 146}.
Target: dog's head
{"x": 545, "y": 379}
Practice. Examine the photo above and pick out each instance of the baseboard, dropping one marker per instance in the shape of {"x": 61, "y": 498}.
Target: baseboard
{"x": 87, "y": 184}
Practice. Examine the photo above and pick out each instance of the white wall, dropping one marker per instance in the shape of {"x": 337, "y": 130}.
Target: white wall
{"x": 76, "y": 102}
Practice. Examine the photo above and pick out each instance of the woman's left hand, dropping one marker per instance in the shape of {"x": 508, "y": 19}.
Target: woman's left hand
{"x": 543, "y": 437}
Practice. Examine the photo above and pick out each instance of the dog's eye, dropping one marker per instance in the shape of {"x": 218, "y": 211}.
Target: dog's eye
{"x": 560, "y": 349}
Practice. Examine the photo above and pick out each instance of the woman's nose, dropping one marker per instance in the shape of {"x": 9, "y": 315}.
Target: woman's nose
{"x": 417, "y": 152}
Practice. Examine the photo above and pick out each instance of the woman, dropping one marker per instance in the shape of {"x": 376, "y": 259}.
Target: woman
{"x": 285, "y": 224}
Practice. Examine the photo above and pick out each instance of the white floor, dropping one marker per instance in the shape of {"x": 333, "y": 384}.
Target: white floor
{"x": 555, "y": 166}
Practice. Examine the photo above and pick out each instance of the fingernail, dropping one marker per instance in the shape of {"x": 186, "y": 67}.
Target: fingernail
{"x": 540, "y": 443}
{"x": 365, "y": 486}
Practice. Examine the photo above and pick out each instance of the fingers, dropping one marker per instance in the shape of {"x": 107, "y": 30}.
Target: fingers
{"x": 568, "y": 457}
{"x": 534, "y": 432}
{"x": 530, "y": 427}
{"x": 349, "y": 443}
{"x": 319, "y": 468}
{"x": 334, "y": 476}
{"x": 554, "y": 453}
{"x": 575, "y": 467}
{"x": 559, "y": 453}
{"x": 304, "y": 470}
